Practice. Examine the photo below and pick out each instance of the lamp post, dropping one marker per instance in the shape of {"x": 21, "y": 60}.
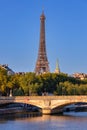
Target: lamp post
{"x": 63, "y": 90}
{"x": 10, "y": 93}
{"x": 74, "y": 90}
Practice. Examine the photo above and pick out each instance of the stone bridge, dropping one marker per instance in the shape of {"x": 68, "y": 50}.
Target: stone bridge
{"x": 48, "y": 104}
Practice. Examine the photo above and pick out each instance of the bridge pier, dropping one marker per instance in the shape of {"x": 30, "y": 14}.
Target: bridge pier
{"x": 46, "y": 111}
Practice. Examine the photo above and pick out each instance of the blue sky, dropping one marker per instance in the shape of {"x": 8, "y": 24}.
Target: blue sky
{"x": 66, "y": 34}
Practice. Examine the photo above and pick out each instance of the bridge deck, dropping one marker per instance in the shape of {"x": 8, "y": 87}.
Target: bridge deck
{"x": 44, "y": 97}
{"x": 48, "y": 104}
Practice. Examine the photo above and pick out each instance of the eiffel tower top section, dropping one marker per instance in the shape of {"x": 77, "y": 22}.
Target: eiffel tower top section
{"x": 42, "y": 65}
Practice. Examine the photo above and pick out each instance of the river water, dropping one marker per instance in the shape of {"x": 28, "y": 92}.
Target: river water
{"x": 74, "y": 121}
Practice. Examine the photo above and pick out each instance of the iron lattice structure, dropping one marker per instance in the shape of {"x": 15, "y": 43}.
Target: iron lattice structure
{"x": 42, "y": 64}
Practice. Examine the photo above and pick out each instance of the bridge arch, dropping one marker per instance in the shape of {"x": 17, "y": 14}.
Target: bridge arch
{"x": 23, "y": 102}
{"x": 59, "y": 107}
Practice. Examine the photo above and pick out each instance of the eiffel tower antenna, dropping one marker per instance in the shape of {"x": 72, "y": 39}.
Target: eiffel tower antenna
{"x": 42, "y": 10}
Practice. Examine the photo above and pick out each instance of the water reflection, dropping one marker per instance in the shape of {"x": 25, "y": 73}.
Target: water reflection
{"x": 45, "y": 122}
{"x": 19, "y": 116}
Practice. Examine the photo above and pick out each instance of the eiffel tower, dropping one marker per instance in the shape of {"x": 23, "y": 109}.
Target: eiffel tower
{"x": 42, "y": 64}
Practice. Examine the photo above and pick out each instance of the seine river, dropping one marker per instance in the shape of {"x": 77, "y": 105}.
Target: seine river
{"x": 45, "y": 122}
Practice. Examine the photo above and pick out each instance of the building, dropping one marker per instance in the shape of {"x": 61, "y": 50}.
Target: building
{"x": 42, "y": 64}
{"x": 80, "y": 75}
{"x": 9, "y": 71}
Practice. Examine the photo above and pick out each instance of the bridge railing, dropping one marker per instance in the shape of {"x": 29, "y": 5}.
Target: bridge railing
{"x": 43, "y": 97}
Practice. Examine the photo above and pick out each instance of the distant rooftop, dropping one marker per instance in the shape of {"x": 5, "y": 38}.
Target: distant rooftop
{"x": 9, "y": 71}
{"x": 80, "y": 75}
